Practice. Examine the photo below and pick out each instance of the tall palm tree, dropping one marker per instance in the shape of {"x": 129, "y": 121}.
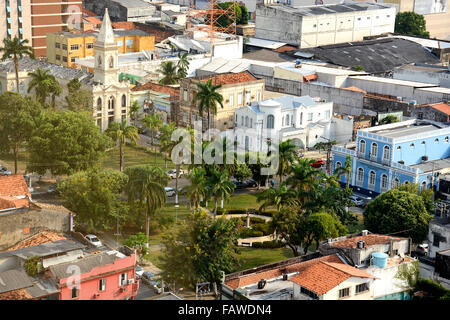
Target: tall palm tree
{"x": 182, "y": 65}
{"x": 17, "y": 49}
{"x": 303, "y": 177}
{"x": 134, "y": 109}
{"x": 44, "y": 84}
{"x": 165, "y": 138}
{"x": 169, "y": 71}
{"x": 287, "y": 155}
{"x": 153, "y": 122}
{"x": 196, "y": 189}
{"x": 146, "y": 186}
{"x": 120, "y": 132}
{"x": 345, "y": 170}
{"x": 220, "y": 185}
{"x": 278, "y": 197}
{"x": 208, "y": 98}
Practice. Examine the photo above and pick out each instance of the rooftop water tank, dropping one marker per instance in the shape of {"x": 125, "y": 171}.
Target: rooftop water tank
{"x": 379, "y": 259}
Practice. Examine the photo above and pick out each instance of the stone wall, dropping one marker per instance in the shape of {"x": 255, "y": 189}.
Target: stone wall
{"x": 21, "y": 224}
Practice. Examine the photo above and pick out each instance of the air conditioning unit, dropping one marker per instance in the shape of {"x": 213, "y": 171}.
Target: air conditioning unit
{"x": 130, "y": 281}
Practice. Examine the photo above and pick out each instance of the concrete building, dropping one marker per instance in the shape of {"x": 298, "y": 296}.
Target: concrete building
{"x": 237, "y": 89}
{"x": 65, "y": 47}
{"x": 314, "y": 26}
{"x": 412, "y": 151}
{"x": 434, "y": 74}
{"x": 124, "y": 10}
{"x": 33, "y": 19}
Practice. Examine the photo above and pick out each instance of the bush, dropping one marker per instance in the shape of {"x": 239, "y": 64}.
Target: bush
{"x": 237, "y": 211}
{"x": 268, "y": 244}
{"x": 221, "y": 211}
{"x": 265, "y": 228}
{"x": 249, "y": 233}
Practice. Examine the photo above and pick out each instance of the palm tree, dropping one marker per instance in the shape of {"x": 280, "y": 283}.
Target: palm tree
{"x": 208, "y": 98}
{"x": 146, "y": 185}
{"x": 169, "y": 71}
{"x": 165, "y": 138}
{"x": 278, "y": 197}
{"x": 152, "y": 122}
{"x": 287, "y": 155}
{"x": 17, "y": 49}
{"x": 44, "y": 84}
{"x": 303, "y": 177}
{"x": 345, "y": 170}
{"x": 134, "y": 109}
{"x": 182, "y": 65}
{"x": 220, "y": 185}
{"x": 120, "y": 132}
{"x": 196, "y": 189}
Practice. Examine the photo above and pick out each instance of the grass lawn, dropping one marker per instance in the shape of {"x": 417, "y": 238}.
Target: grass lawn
{"x": 134, "y": 155}
{"x": 239, "y": 201}
{"x": 252, "y": 257}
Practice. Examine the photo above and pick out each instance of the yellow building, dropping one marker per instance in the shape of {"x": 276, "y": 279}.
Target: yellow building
{"x": 64, "y": 47}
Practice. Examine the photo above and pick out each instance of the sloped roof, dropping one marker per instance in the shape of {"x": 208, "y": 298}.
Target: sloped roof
{"x": 369, "y": 240}
{"x": 14, "y": 279}
{"x": 173, "y": 91}
{"x": 47, "y": 248}
{"x": 37, "y": 239}
{"x": 375, "y": 56}
{"x": 353, "y": 88}
{"x": 229, "y": 78}
{"x": 93, "y": 20}
{"x": 13, "y": 185}
{"x": 442, "y": 107}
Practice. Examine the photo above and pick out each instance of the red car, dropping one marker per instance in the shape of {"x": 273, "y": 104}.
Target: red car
{"x": 318, "y": 163}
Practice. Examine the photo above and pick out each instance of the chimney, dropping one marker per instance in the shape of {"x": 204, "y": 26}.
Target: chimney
{"x": 364, "y": 232}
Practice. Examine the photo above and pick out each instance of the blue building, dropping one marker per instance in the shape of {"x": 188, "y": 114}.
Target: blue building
{"x": 413, "y": 151}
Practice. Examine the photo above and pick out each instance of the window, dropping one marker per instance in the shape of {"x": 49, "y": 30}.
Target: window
{"x": 231, "y": 100}
{"x": 246, "y": 143}
{"x": 412, "y": 145}
{"x": 420, "y": 115}
{"x": 124, "y": 100}
{"x": 363, "y": 287}
{"x": 386, "y": 153}
{"x": 242, "y": 120}
{"x": 309, "y": 293}
{"x": 287, "y": 119}
{"x": 111, "y": 103}
{"x": 301, "y": 118}
{"x": 247, "y": 96}
{"x": 360, "y": 175}
{"x": 338, "y": 165}
{"x": 58, "y": 57}
{"x": 239, "y": 99}
{"x": 111, "y": 62}
{"x": 344, "y": 293}
{"x": 73, "y": 47}
{"x": 436, "y": 140}
{"x": 64, "y": 46}
{"x": 89, "y": 45}
{"x": 251, "y": 123}
{"x": 99, "y": 60}
{"x": 396, "y": 183}
{"x": 123, "y": 279}
{"x": 57, "y": 45}
{"x": 102, "y": 285}
{"x": 99, "y": 104}
{"x": 362, "y": 147}
{"x": 270, "y": 121}
{"x": 310, "y": 116}
{"x": 372, "y": 176}
{"x": 75, "y": 292}
{"x": 236, "y": 118}
{"x": 185, "y": 95}
{"x": 424, "y": 185}
{"x": 383, "y": 181}
{"x": 374, "y": 150}
{"x": 327, "y": 114}
{"x": 446, "y": 140}
{"x": 436, "y": 240}
{"x": 259, "y": 95}
{"x": 64, "y": 59}
{"x": 246, "y": 121}
{"x": 72, "y": 59}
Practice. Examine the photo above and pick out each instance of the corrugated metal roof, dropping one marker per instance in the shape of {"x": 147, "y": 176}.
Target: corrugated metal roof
{"x": 14, "y": 279}
{"x": 268, "y": 44}
{"x": 47, "y": 249}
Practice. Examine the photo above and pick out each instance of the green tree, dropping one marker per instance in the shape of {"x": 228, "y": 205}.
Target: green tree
{"x": 277, "y": 197}
{"x": 95, "y": 197}
{"x": 66, "y": 142}
{"x": 240, "y": 12}
{"x": 286, "y": 156}
{"x": 426, "y": 194}
{"x": 169, "y": 72}
{"x": 411, "y": 24}
{"x": 253, "y": 161}
{"x": 200, "y": 251}
{"x": 431, "y": 290}
{"x": 78, "y": 99}
{"x": 165, "y": 142}
{"x": 398, "y": 212}
{"x": 196, "y": 189}
{"x": 44, "y": 85}
{"x": 182, "y": 65}
{"x": 208, "y": 98}
{"x": 134, "y": 110}
{"x": 344, "y": 170}
{"x": 220, "y": 186}
{"x": 20, "y": 116}
{"x": 408, "y": 274}
{"x": 137, "y": 241}
{"x": 16, "y": 48}
{"x": 358, "y": 67}
{"x": 241, "y": 172}
{"x": 120, "y": 133}
{"x": 388, "y": 119}
{"x": 145, "y": 191}
{"x": 153, "y": 122}
{"x": 303, "y": 178}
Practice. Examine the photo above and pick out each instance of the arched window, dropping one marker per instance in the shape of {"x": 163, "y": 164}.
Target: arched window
{"x": 384, "y": 181}
{"x": 360, "y": 175}
{"x": 374, "y": 150}
{"x": 396, "y": 183}
{"x": 287, "y": 119}
{"x": 386, "y": 153}
{"x": 246, "y": 143}
{"x": 111, "y": 62}
{"x": 406, "y": 183}
{"x": 338, "y": 164}
{"x": 412, "y": 145}
{"x": 99, "y": 104}
{"x": 424, "y": 185}
{"x": 124, "y": 100}
{"x": 446, "y": 140}
{"x": 99, "y": 59}
{"x": 436, "y": 140}
{"x": 251, "y": 122}
{"x": 301, "y": 118}
{"x": 362, "y": 147}
{"x": 270, "y": 121}
{"x": 111, "y": 103}
{"x": 246, "y": 121}
{"x": 372, "y": 176}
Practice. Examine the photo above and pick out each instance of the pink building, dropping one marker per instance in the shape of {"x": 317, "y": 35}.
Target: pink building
{"x": 107, "y": 275}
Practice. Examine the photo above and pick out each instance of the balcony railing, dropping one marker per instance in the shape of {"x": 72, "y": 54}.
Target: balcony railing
{"x": 386, "y": 162}
{"x": 373, "y": 157}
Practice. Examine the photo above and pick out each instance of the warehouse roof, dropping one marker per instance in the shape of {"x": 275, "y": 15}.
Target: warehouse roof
{"x": 375, "y": 56}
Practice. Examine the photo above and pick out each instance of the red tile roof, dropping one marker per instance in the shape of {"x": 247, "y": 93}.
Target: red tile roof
{"x": 276, "y": 272}
{"x": 230, "y": 78}
{"x": 19, "y": 294}
{"x": 369, "y": 240}
{"x": 173, "y": 91}
{"x": 285, "y": 48}
{"x": 127, "y": 25}
{"x": 442, "y": 107}
{"x": 93, "y": 20}
{"x": 88, "y": 12}
{"x": 13, "y": 185}
{"x": 322, "y": 277}
{"x": 353, "y": 88}
{"x": 12, "y": 202}
{"x": 40, "y": 238}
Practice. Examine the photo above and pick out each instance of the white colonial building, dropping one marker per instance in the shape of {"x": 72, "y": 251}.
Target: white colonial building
{"x": 305, "y": 120}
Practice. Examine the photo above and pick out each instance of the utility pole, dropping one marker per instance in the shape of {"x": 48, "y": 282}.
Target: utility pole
{"x": 329, "y": 146}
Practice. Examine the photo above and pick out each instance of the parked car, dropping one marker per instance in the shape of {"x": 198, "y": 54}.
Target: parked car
{"x": 318, "y": 163}
{"x": 53, "y": 188}
{"x": 170, "y": 192}
{"x": 93, "y": 240}
{"x": 4, "y": 171}
{"x": 422, "y": 249}
{"x": 139, "y": 272}
{"x": 245, "y": 184}
{"x": 172, "y": 173}
{"x": 357, "y": 201}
